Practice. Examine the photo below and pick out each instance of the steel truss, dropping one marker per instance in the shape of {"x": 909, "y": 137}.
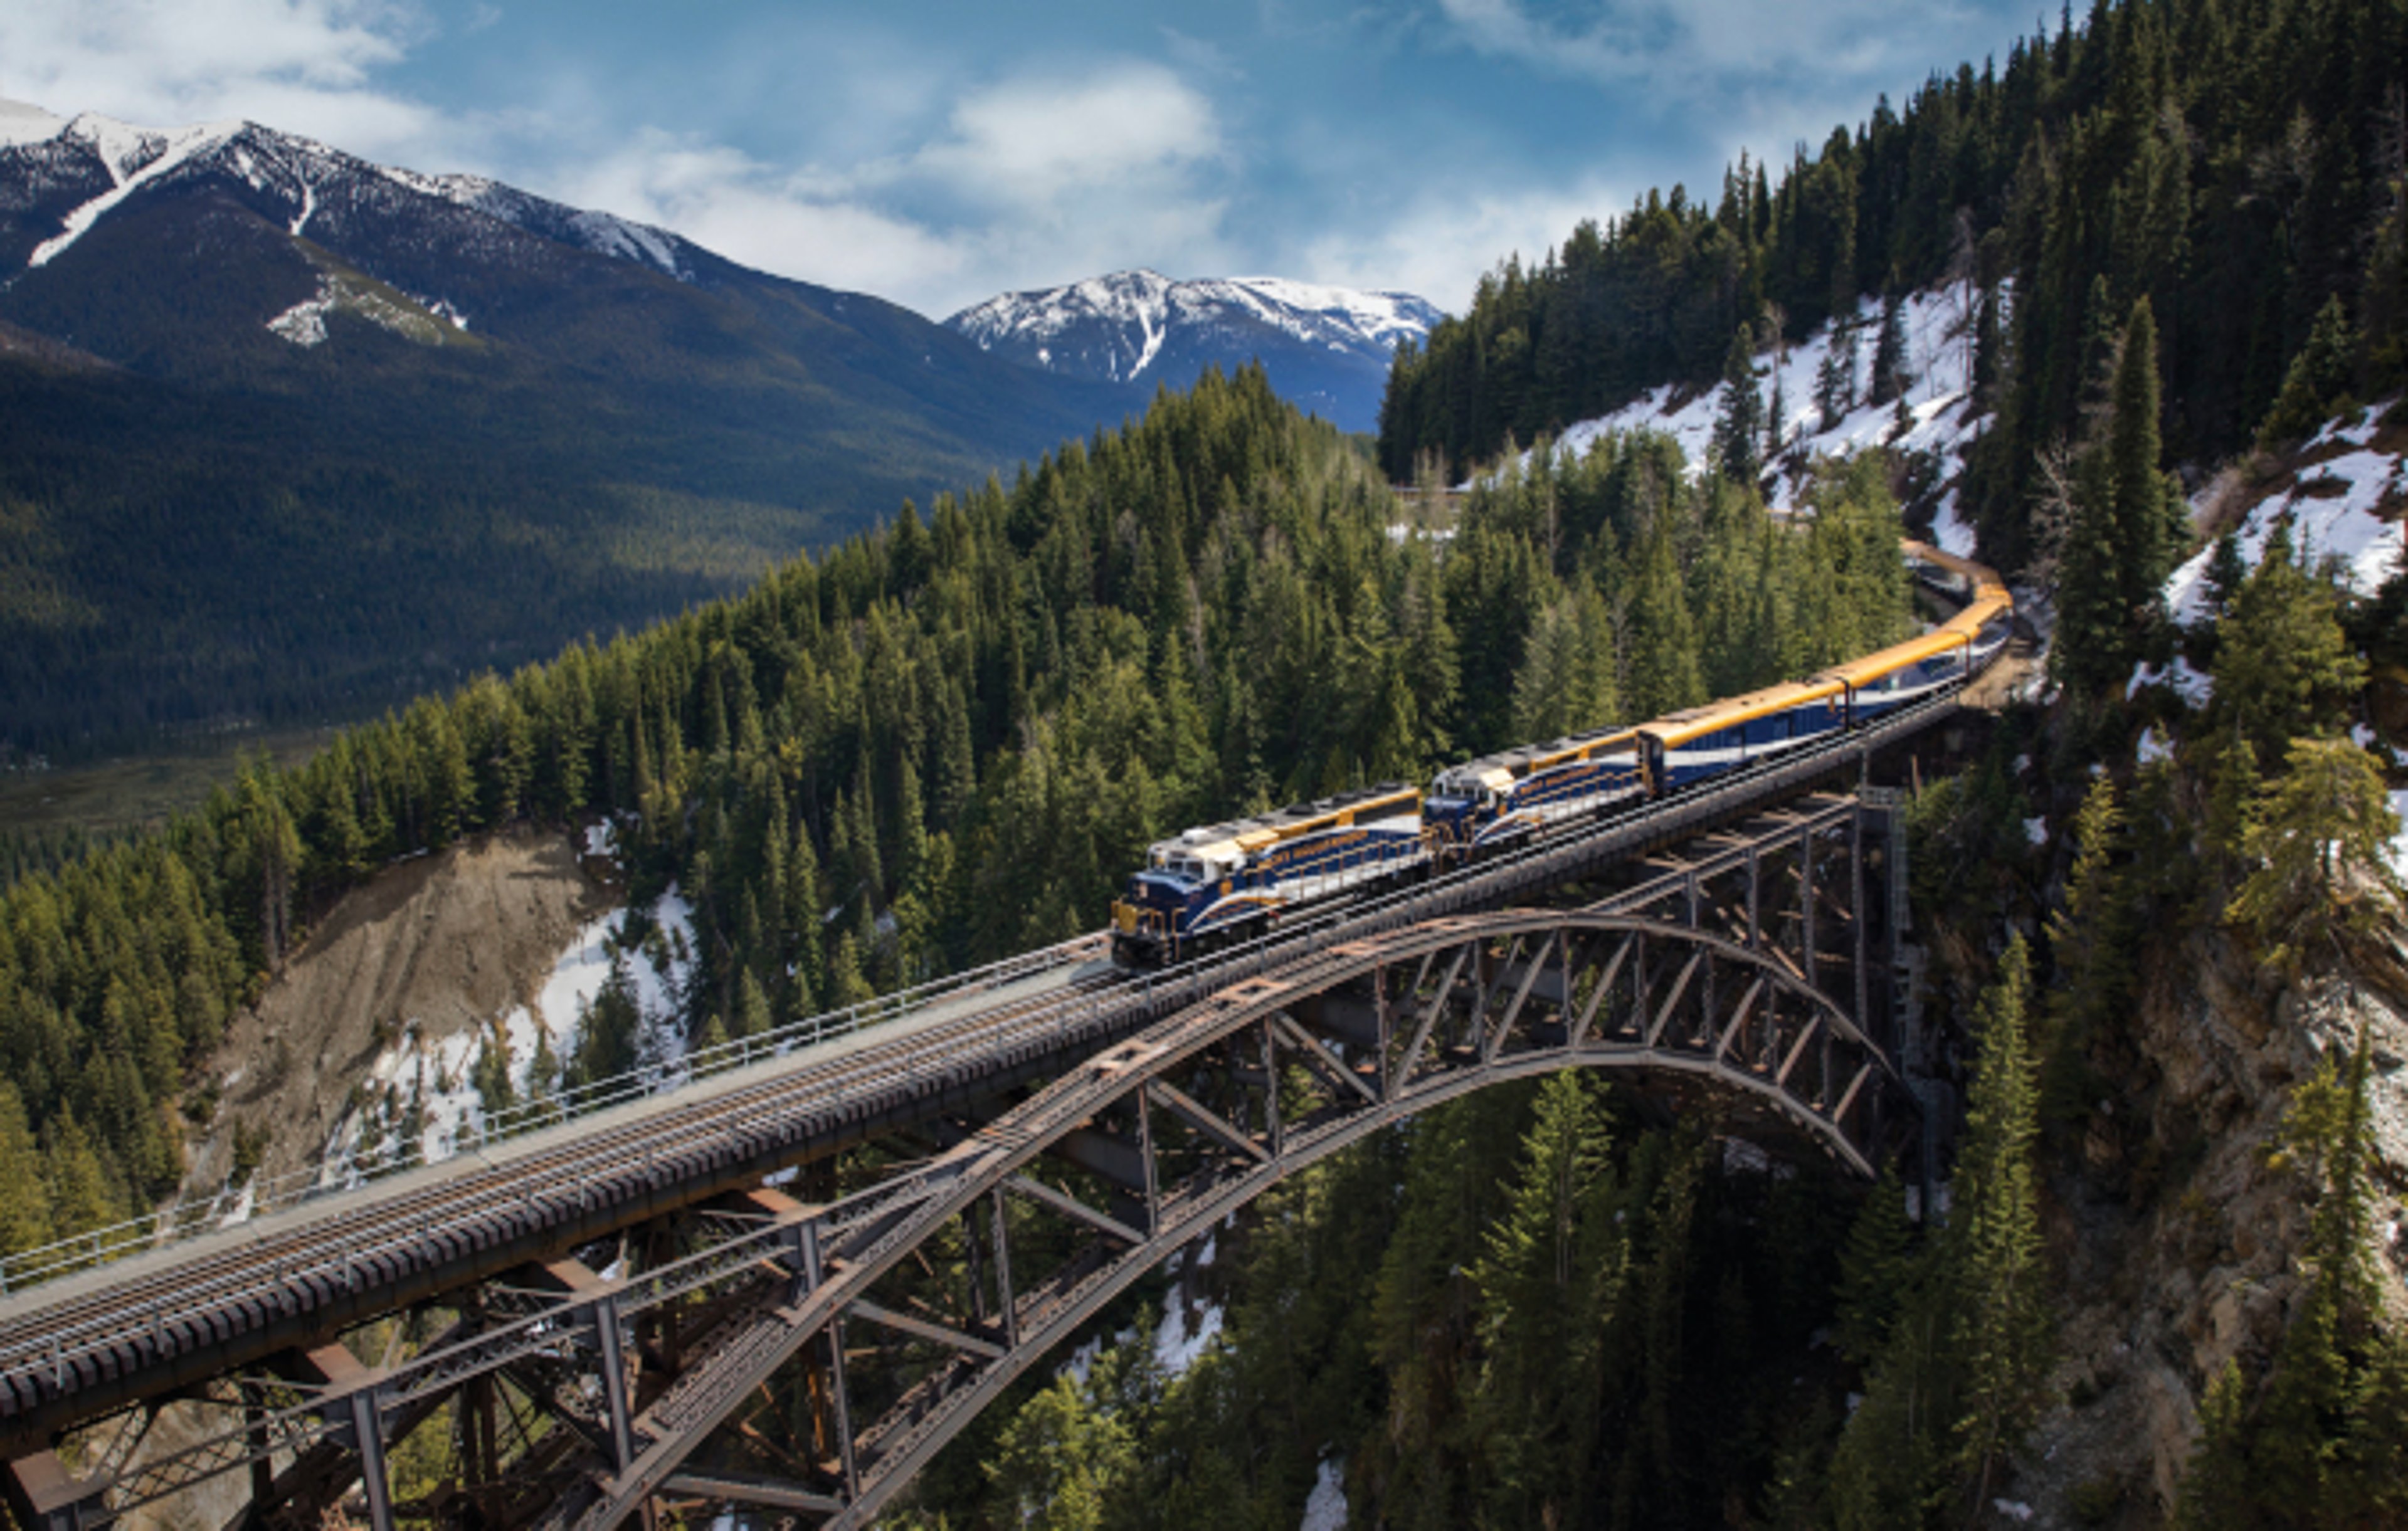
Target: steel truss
{"x": 810, "y": 1359}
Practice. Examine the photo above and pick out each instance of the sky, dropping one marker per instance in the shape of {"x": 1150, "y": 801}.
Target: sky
{"x": 938, "y": 151}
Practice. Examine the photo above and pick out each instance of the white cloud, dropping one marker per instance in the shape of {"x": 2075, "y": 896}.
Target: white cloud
{"x": 1033, "y": 180}
{"x": 1685, "y": 45}
{"x": 1050, "y": 139}
{"x": 760, "y": 216}
{"x": 1438, "y": 245}
{"x": 304, "y": 66}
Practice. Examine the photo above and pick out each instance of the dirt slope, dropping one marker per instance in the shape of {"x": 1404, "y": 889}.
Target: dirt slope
{"x": 446, "y": 942}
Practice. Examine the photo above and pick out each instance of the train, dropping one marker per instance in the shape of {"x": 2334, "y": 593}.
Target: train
{"x": 1216, "y": 885}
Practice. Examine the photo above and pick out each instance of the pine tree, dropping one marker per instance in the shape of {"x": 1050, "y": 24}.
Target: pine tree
{"x": 2321, "y": 843}
{"x": 1739, "y": 416}
{"x": 752, "y": 1015}
{"x": 2218, "y": 1492}
{"x": 1874, "y": 1267}
{"x": 846, "y": 986}
{"x": 1060, "y": 1460}
{"x": 2128, "y": 524}
{"x": 2284, "y": 666}
{"x": 2090, "y": 942}
{"x": 1890, "y": 376}
{"x": 2317, "y": 380}
{"x": 2306, "y": 1407}
{"x": 1835, "y": 377}
{"x": 2001, "y": 1330}
{"x": 2149, "y": 514}
{"x": 25, "y": 1210}
{"x": 1531, "y": 1276}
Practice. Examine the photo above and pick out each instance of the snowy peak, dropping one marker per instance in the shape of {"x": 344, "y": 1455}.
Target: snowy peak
{"x": 71, "y": 174}
{"x": 23, "y": 122}
{"x": 1325, "y": 348}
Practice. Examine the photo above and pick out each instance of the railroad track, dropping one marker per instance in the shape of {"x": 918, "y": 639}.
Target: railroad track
{"x": 75, "y": 1349}
{"x": 67, "y": 1327}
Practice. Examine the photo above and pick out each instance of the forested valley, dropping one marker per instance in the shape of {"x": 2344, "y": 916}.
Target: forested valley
{"x": 946, "y": 739}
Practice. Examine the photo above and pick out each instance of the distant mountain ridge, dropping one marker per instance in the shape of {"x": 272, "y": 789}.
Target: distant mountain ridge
{"x": 286, "y": 434}
{"x": 80, "y": 169}
{"x": 1325, "y": 349}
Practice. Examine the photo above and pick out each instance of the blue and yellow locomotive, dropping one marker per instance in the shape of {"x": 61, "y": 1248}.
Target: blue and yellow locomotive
{"x": 1220, "y": 884}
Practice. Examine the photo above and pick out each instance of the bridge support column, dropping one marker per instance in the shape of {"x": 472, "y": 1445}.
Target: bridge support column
{"x": 368, "y": 1432}
{"x": 45, "y": 1496}
{"x": 610, "y": 1342}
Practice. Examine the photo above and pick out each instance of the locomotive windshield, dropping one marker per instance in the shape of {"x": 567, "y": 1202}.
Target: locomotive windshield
{"x": 1179, "y": 862}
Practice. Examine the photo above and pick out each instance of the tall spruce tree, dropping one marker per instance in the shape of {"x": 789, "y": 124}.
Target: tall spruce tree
{"x": 2128, "y": 526}
{"x": 2001, "y": 1330}
{"x": 1890, "y": 376}
{"x": 1739, "y": 416}
{"x": 2317, "y": 378}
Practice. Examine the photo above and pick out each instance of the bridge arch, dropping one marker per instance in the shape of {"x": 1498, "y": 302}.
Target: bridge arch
{"x": 1146, "y": 1146}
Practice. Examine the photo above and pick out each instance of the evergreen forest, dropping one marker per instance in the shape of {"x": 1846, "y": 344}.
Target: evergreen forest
{"x": 2241, "y": 166}
{"x": 947, "y": 738}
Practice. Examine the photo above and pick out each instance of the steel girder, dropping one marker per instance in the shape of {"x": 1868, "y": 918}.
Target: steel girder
{"x": 891, "y": 1317}
{"x": 1736, "y": 969}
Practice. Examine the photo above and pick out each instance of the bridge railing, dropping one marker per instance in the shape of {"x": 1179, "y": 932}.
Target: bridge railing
{"x": 260, "y": 1195}
{"x": 1479, "y": 886}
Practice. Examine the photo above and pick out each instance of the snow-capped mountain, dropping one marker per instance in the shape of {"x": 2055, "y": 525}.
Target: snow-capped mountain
{"x": 60, "y": 178}
{"x": 242, "y": 371}
{"x": 1326, "y": 348}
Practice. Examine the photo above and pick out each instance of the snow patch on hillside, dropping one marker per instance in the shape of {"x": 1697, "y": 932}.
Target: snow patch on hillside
{"x": 23, "y": 122}
{"x": 134, "y": 157}
{"x": 420, "y": 1097}
{"x": 305, "y": 322}
{"x": 1325, "y": 1509}
{"x": 2399, "y": 843}
{"x": 2333, "y": 514}
{"x": 1939, "y": 328}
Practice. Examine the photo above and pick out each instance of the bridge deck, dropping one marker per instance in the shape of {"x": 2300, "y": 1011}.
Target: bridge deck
{"x": 79, "y": 1348}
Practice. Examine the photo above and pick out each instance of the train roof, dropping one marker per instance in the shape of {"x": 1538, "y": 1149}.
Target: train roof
{"x": 1979, "y": 612}
{"x": 1696, "y": 722}
{"x": 1523, "y": 760}
{"x": 1222, "y": 840}
{"x": 1984, "y": 578}
{"x": 1913, "y": 650}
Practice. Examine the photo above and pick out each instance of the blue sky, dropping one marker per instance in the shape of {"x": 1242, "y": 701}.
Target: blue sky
{"x": 937, "y": 151}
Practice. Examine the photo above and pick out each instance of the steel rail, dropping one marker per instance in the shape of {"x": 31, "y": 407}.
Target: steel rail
{"x": 49, "y": 1351}
{"x": 188, "y": 1220}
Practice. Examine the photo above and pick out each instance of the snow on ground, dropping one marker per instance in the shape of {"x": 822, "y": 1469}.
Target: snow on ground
{"x": 2336, "y": 513}
{"x": 23, "y": 122}
{"x": 1939, "y": 361}
{"x": 1325, "y": 1509}
{"x": 2400, "y": 841}
{"x": 1175, "y": 1347}
{"x": 134, "y": 157}
{"x": 240, "y": 1211}
{"x": 305, "y": 322}
{"x": 2188, "y": 683}
{"x": 2332, "y": 511}
{"x": 2036, "y": 831}
{"x": 436, "y": 1077}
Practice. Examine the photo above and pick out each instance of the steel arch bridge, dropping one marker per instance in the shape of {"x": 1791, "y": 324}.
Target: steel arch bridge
{"x": 810, "y": 1359}
{"x": 1170, "y": 1132}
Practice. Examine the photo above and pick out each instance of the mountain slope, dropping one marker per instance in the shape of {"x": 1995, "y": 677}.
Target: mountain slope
{"x": 309, "y": 373}
{"x": 1325, "y": 349}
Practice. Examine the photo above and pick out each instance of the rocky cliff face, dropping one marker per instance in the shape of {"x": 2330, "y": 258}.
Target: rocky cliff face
{"x": 2159, "y": 1299}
